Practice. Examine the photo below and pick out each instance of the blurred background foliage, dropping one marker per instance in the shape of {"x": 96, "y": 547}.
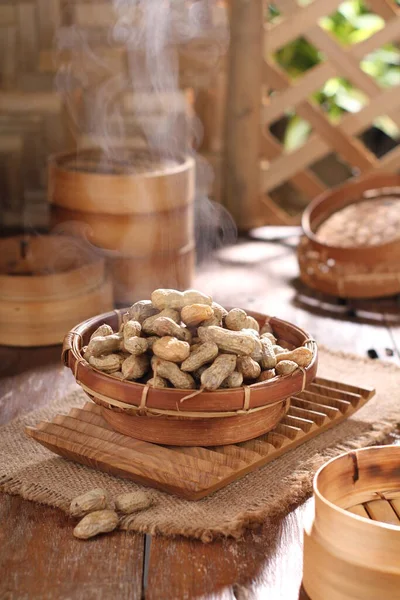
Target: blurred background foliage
{"x": 353, "y": 22}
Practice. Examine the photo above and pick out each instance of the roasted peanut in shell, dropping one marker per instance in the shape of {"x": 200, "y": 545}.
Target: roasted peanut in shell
{"x": 235, "y": 342}
{"x": 222, "y": 367}
{"x": 172, "y": 349}
{"x": 199, "y": 356}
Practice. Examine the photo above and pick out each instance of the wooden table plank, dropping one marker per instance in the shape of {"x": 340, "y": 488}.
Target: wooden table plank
{"x": 40, "y": 558}
{"x": 266, "y": 563}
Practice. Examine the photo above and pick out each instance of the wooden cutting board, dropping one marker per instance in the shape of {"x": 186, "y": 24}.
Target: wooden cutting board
{"x": 195, "y": 472}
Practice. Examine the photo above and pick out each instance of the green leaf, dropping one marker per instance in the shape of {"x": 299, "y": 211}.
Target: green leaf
{"x": 350, "y": 10}
{"x": 297, "y": 132}
{"x": 369, "y": 22}
{"x": 350, "y": 100}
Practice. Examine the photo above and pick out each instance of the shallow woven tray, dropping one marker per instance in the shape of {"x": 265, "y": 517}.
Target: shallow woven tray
{"x": 368, "y": 271}
{"x": 195, "y": 472}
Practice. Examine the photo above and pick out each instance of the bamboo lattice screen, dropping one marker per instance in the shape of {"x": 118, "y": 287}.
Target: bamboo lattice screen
{"x": 342, "y": 139}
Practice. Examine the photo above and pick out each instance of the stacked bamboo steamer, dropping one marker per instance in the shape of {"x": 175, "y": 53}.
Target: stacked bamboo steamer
{"x": 136, "y": 207}
{"x": 47, "y": 284}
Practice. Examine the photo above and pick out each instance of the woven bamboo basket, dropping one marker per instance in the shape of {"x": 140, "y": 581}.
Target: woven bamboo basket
{"x": 137, "y": 207}
{"x": 362, "y": 271}
{"x": 207, "y": 419}
{"x": 352, "y": 549}
{"x": 46, "y": 284}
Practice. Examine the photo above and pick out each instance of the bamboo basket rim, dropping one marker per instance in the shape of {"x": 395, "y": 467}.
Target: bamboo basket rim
{"x": 355, "y": 189}
{"x": 183, "y": 164}
{"x": 203, "y": 400}
{"x": 342, "y": 511}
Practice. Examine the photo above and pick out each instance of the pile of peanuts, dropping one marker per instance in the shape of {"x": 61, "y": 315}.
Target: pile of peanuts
{"x": 186, "y": 341}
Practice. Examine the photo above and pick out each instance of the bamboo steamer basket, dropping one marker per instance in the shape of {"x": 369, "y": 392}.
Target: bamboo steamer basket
{"x": 352, "y": 549}
{"x": 206, "y": 419}
{"x": 46, "y": 284}
{"x": 139, "y": 235}
{"x": 135, "y": 182}
{"x": 136, "y": 206}
{"x": 367, "y": 271}
{"x": 135, "y": 278}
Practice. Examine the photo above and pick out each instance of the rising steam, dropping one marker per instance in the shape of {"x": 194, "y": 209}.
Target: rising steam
{"x": 169, "y": 45}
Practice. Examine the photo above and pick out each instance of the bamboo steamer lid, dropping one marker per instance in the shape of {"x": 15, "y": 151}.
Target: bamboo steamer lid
{"x": 352, "y": 549}
{"x": 47, "y": 283}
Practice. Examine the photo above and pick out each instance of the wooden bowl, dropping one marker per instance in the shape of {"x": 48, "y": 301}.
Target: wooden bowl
{"x": 367, "y": 271}
{"x": 46, "y": 284}
{"x": 352, "y": 549}
{"x": 188, "y": 427}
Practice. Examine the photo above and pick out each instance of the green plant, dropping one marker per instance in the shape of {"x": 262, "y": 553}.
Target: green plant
{"x": 350, "y": 24}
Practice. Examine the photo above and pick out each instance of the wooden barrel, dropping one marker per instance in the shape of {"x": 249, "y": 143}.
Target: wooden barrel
{"x": 134, "y": 205}
{"x": 47, "y": 284}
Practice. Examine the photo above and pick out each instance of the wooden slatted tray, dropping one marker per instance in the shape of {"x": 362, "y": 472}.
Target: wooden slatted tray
{"x": 194, "y": 472}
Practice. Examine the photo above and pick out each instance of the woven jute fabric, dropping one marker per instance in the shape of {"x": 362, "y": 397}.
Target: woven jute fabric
{"x": 28, "y": 469}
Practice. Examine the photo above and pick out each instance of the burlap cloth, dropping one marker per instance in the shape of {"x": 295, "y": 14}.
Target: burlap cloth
{"x": 28, "y": 469}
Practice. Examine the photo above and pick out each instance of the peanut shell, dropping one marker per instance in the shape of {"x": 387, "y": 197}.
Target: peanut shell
{"x": 221, "y": 368}
{"x": 193, "y": 314}
{"x": 147, "y": 325}
{"x": 140, "y": 311}
{"x": 233, "y": 380}
{"x": 100, "y": 521}
{"x": 108, "y": 364}
{"x": 235, "y": 320}
{"x": 134, "y": 367}
{"x": 166, "y": 326}
{"x": 249, "y": 368}
{"x": 172, "y": 373}
{"x": 285, "y": 367}
{"x": 135, "y": 345}
{"x": 102, "y": 331}
{"x": 235, "y": 342}
{"x": 131, "y": 502}
{"x": 301, "y": 356}
{"x": 172, "y": 349}
{"x": 96, "y": 499}
{"x": 199, "y": 356}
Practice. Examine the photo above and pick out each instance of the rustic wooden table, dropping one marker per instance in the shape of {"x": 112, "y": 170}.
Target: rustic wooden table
{"x": 39, "y": 558}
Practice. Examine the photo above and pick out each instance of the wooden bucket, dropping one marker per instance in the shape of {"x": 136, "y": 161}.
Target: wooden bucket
{"x": 363, "y": 271}
{"x": 46, "y": 284}
{"x": 352, "y": 549}
{"x": 120, "y": 399}
{"x": 136, "y": 205}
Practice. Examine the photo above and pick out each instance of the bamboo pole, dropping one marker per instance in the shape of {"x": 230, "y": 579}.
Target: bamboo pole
{"x": 241, "y": 187}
